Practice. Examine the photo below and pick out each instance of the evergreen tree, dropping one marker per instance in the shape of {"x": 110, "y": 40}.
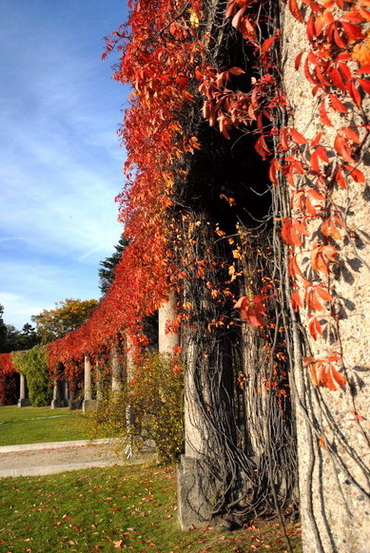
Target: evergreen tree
{"x": 12, "y": 339}
{"x": 108, "y": 266}
{"x": 3, "y": 331}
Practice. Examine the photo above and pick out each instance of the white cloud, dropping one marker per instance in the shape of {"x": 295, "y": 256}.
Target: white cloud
{"x": 60, "y": 158}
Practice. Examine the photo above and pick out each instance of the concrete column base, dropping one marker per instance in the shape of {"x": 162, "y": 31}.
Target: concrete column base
{"x": 194, "y": 503}
{"x": 24, "y": 403}
{"x": 75, "y": 404}
{"x": 89, "y": 405}
{"x": 57, "y": 403}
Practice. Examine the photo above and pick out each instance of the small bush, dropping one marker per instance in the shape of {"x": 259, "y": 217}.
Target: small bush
{"x": 149, "y": 408}
{"x": 33, "y": 364}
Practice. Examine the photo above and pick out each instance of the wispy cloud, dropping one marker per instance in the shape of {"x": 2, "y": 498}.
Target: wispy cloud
{"x": 60, "y": 159}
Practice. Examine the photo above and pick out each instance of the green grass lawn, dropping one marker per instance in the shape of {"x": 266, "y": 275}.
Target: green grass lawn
{"x": 28, "y": 425}
{"x": 101, "y": 510}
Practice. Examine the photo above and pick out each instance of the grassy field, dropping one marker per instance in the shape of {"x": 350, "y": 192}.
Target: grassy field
{"x": 101, "y": 510}
{"x": 28, "y": 425}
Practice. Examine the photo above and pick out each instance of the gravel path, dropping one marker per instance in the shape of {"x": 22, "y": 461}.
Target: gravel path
{"x": 59, "y": 458}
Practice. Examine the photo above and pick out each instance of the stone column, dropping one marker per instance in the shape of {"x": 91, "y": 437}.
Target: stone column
{"x": 54, "y": 401}
{"x": 167, "y": 338}
{"x": 194, "y": 509}
{"x": 88, "y": 402}
{"x": 99, "y": 384}
{"x": 129, "y": 370}
{"x": 116, "y": 370}
{"x": 333, "y": 425}
{"x": 23, "y": 399}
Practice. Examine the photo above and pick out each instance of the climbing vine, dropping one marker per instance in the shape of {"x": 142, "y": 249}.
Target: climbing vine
{"x": 335, "y": 63}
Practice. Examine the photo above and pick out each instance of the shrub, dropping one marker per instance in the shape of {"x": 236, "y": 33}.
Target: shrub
{"x": 149, "y": 407}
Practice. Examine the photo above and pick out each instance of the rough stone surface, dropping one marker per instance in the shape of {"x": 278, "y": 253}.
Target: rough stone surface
{"x": 89, "y": 405}
{"x": 193, "y": 507}
{"x": 167, "y": 338}
{"x": 334, "y": 477}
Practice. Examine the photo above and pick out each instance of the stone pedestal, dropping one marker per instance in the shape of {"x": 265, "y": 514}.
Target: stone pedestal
{"x": 194, "y": 510}
{"x": 89, "y": 405}
{"x": 196, "y": 488}
{"x": 23, "y": 393}
{"x": 60, "y": 395}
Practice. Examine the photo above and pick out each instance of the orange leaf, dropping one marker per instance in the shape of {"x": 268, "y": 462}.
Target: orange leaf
{"x": 324, "y": 294}
{"x": 319, "y": 264}
{"x": 323, "y": 115}
{"x": 337, "y": 104}
{"x": 340, "y": 178}
{"x": 315, "y": 328}
{"x": 236, "y": 71}
{"x": 297, "y": 62}
{"x": 296, "y": 300}
{"x": 293, "y": 6}
{"x": 355, "y": 95}
{"x": 343, "y": 149}
{"x": 297, "y": 137}
{"x": 268, "y": 43}
{"x": 351, "y": 134}
{"x": 364, "y": 84}
{"x": 355, "y": 174}
{"x": 274, "y": 166}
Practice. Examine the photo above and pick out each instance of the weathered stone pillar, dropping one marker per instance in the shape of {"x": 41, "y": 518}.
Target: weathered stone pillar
{"x": 99, "y": 384}
{"x": 192, "y": 478}
{"x": 332, "y": 384}
{"x": 129, "y": 370}
{"x": 116, "y": 370}
{"x": 23, "y": 392}
{"x": 167, "y": 338}
{"x": 88, "y": 402}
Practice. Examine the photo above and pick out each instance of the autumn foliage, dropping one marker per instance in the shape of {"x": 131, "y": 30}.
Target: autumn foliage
{"x": 163, "y": 57}
{"x": 8, "y": 380}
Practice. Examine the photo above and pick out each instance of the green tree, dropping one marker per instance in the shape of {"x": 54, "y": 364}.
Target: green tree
{"x": 33, "y": 364}
{"x": 67, "y": 316}
{"x": 3, "y": 332}
{"x": 108, "y": 266}
{"x": 12, "y": 339}
{"x": 28, "y": 337}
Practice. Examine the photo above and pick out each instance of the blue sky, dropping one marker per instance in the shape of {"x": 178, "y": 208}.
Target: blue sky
{"x": 60, "y": 158}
